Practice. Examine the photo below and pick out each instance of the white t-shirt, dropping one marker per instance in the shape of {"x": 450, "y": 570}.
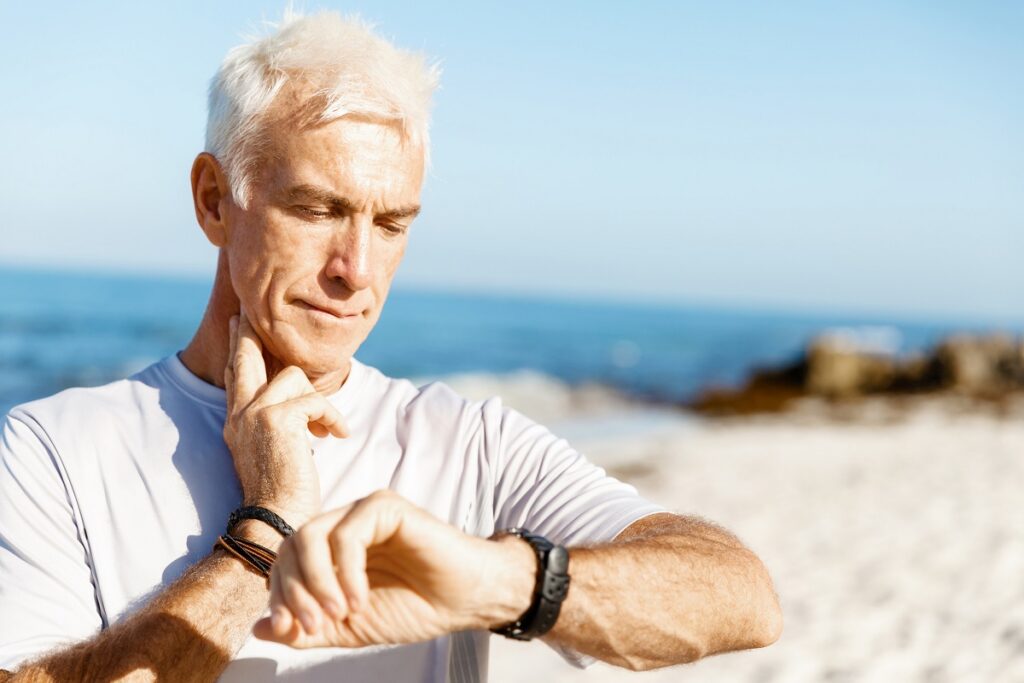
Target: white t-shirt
{"x": 110, "y": 493}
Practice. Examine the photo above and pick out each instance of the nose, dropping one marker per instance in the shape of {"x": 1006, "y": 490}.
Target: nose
{"x": 350, "y": 260}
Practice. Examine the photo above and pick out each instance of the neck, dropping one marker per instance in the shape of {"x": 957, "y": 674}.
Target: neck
{"x": 206, "y": 355}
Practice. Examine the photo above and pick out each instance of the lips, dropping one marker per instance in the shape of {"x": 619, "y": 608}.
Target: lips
{"x": 327, "y": 308}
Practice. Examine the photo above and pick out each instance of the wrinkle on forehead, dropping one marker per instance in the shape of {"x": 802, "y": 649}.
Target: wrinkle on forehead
{"x": 359, "y": 163}
{"x": 298, "y": 109}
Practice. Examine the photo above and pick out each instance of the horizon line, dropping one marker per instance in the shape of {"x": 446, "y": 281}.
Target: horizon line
{"x": 596, "y": 298}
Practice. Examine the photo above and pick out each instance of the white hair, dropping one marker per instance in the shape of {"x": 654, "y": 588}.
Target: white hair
{"x": 340, "y": 67}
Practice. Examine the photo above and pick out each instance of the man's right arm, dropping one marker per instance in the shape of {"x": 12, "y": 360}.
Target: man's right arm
{"x": 191, "y": 629}
{"x": 188, "y": 632}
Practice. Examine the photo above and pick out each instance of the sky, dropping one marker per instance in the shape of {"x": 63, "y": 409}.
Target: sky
{"x": 863, "y": 157}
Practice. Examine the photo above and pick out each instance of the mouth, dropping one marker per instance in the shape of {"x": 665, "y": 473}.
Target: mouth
{"x": 328, "y": 310}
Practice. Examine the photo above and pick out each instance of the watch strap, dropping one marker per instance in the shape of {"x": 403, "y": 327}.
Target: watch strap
{"x": 549, "y": 592}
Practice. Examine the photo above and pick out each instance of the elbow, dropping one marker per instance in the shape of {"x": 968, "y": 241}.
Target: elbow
{"x": 757, "y": 626}
{"x": 685, "y": 654}
{"x": 655, "y": 648}
{"x": 770, "y": 624}
{"x": 767, "y": 619}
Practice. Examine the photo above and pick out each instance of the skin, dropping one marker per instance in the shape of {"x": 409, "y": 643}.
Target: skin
{"x": 326, "y": 228}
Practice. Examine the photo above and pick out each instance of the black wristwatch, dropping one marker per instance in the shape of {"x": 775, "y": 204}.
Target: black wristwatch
{"x": 551, "y": 588}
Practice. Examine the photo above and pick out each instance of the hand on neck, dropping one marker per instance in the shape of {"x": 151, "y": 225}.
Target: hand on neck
{"x": 206, "y": 355}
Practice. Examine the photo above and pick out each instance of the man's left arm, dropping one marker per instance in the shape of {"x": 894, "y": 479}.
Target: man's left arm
{"x": 667, "y": 590}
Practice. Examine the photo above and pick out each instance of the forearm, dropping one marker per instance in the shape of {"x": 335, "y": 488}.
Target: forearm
{"x": 188, "y": 632}
{"x": 667, "y": 593}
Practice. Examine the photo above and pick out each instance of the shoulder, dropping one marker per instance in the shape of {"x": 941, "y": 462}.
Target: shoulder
{"x": 433, "y": 398}
{"x": 85, "y": 403}
{"x": 79, "y": 411}
{"x": 437, "y": 407}
{"x": 437, "y": 400}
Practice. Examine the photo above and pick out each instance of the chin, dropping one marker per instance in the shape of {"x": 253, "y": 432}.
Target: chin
{"x": 315, "y": 360}
{"x": 318, "y": 357}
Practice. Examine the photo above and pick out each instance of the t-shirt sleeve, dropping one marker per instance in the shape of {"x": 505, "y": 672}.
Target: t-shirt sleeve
{"x": 47, "y": 596}
{"x": 548, "y": 487}
{"x": 545, "y": 485}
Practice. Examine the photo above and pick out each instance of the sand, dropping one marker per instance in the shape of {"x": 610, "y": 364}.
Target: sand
{"x": 894, "y": 534}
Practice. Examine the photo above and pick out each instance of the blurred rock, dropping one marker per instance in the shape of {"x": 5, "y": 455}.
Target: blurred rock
{"x": 844, "y": 365}
{"x": 982, "y": 365}
{"x": 838, "y": 368}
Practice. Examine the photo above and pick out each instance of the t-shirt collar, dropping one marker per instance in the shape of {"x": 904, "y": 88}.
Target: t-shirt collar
{"x": 215, "y": 397}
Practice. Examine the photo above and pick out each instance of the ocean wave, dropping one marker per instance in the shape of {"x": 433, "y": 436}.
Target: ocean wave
{"x": 538, "y": 395}
{"x": 608, "y": 426}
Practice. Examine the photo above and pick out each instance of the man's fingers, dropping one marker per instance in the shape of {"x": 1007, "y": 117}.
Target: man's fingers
{"x": 247, "y": 362}
{"x": 229, "y": 371}
{"x": 317, "y": 409}
{"x": 264, "y": 630}
{"x": 293, "y": 594}
{"x": 313, "y": 554}
{"x": 349, "y": 555}
{"x": 373, "y": 520}
{"x": 232, "y": 335}
{"x": 282, "y": 622}
{"x": 280, "y": 626}
{"x": 290, "y": 383}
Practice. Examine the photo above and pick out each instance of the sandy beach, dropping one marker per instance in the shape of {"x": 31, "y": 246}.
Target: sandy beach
{"x": 893, "y": 530}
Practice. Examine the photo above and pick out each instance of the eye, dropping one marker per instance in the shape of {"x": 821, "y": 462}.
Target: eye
{"x": 315, "y": 213}
{"x": 393, "y": 230}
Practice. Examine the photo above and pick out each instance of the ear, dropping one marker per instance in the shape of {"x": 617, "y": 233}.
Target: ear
{"x": 211, "y": 195}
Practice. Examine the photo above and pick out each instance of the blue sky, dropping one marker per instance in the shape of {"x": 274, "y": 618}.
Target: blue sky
{"x": 846, "y": 157}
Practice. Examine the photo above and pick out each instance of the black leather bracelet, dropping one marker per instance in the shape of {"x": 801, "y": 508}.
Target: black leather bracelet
{"x": 264, "y": 515}
{"x": 550, "y": 590}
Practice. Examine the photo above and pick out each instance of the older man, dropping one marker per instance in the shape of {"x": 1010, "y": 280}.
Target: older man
{"x": 112, "y": 499}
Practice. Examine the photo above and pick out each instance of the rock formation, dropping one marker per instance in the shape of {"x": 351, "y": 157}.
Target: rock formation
{"x": 838, "y": 368}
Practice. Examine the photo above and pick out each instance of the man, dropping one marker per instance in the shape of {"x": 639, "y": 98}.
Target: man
{"x": 112, "y": 498}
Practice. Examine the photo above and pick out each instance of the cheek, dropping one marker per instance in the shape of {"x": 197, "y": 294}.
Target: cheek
{"x": 251, "y": 270}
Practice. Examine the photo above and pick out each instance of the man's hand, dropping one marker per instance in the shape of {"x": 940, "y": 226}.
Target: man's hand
{"x": 267, "y": 429}
{"x": 385, "y": 571}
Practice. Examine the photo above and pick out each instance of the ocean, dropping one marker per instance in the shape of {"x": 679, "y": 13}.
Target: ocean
{"x": 60, "y": 329}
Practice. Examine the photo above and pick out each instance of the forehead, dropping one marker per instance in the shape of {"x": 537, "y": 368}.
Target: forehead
{"x": 368, "y": 162}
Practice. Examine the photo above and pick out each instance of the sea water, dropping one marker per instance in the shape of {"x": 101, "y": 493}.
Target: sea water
{"x": 59, "y": 330}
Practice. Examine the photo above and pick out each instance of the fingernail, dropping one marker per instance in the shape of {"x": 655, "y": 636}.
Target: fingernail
{"x": 277, "y": 619}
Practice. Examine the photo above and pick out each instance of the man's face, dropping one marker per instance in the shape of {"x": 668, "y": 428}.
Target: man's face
{"x": 313, "y": 255}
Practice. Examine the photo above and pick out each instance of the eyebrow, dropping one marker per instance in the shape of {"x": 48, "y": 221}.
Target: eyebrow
{"x": 317, "y": 194}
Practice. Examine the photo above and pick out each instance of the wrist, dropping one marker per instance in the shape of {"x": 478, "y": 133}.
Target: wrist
{"x": 294, "y": 515}
{"x": 510, "y": 581}
{"x": 551, "y": 589}
{"x": 258, "y": 532}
